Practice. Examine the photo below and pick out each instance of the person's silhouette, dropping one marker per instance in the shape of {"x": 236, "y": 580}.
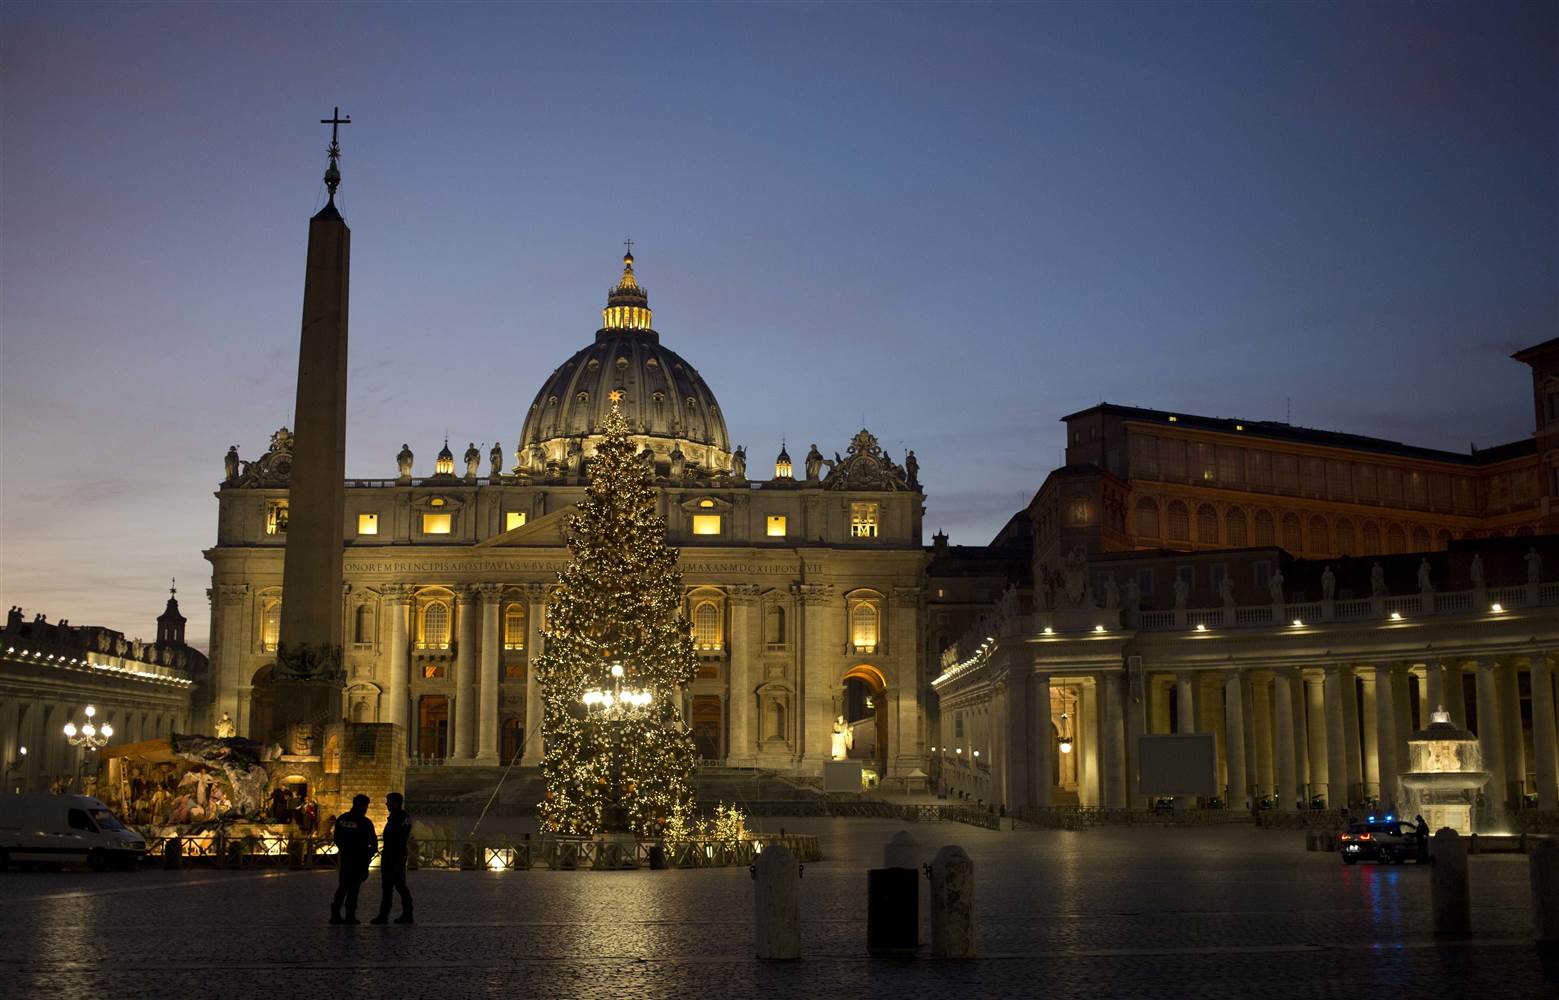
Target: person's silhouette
{"x": 355, "y": 846}
{"x": 392, "y": 861}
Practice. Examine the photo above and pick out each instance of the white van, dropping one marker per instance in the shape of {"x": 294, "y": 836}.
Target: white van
{"x": 63, "y": 828}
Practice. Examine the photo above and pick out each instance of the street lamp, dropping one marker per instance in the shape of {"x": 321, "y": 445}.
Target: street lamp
{"x": 1066, "y": 733}
{"x": 612, "y": 707}
{"x": 88, "y": 737}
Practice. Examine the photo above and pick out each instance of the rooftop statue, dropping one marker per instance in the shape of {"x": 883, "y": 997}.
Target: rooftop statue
{"x": 403, "y": 461}
{"x": 814, "y": 463}
{"x": 739, "y": 462}
{"x": 1534, "y": 566}
{"x": 473, "y": 460}
{"x": 1377, "y": 581}
{"x": 230, "y": 464}
{"x": 1328, "y": 583}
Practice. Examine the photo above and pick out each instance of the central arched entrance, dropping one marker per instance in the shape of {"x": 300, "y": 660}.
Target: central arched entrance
{"x": 865, "y": 700}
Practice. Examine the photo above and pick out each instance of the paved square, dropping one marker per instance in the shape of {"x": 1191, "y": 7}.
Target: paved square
{"x": 1101, "y": 913}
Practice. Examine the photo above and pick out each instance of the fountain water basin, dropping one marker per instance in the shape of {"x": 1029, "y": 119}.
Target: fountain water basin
{"x": 1445, "y": 773}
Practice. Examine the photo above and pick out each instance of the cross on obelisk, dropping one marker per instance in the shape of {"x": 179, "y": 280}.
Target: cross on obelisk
{"x": 333, "y": 172}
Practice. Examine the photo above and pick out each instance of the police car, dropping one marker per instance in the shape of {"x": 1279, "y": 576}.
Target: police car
{"x": 1387, "y": 840}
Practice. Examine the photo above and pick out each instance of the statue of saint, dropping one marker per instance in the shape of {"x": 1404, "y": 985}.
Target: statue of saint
{"x": 1133, "y": 594}
{"x": 473, "y": 460}
{"x": 843, "y": 739}
{"x": 1112, "y": 593}
{"x": 739, "y": 463}
{"x": 495, "y": 457}
{"x": 1477, "y": 572}
{"x": 814, "y": 464}
{"x": 230, "y": 464}
{"x": 226, "y": 729}
{"x": 576, "y": 456}
{"x": 1275, "y": 586}
{"x": 1424, "y": 586}
{"x": 1377, "y": 581}
{"x": 1328, "y": 583}
{"x": 1534, "y": 566}
{"x": 403, "y": 461}
{"x": 678, "y": 463}
{"x": 1182, "y": 593}
{"x": 912, "y": 469}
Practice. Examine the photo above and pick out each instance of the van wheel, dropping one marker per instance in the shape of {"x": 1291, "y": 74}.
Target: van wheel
{"x": 97, "y": 859}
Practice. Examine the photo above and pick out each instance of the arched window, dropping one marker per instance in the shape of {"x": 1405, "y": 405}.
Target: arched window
{"x": 270, "y": 626}
{"x": 435, "y": 626}
{"x": 1420, "y": 540}
{"x": 1320, "y": 537}
{"x": 1264, "y": 534}
{"x": 1147, "y": 518}
{"x": 1179, "y": 529}
{"x": 1235, "y": 527}
{"x": 1291, "y": 539}
{"x": 1371, "y": 542}
{"x": 706, "y": 625}
{"x": 1345, "y": 541}
{"x": 863, "y": 626}
{"x": 514, "y": 626}
{"x": 1207, "y": 524}
{"x": 1396, "y": 540}
{"x": 363, "y": 625}
{"x": 774, "y": 625}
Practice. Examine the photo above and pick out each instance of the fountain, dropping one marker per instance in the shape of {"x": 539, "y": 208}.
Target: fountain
{"x": 1445, "y": 772}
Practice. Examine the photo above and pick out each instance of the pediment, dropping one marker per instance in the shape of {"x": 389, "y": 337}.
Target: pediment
{"x": 546, "y": 530}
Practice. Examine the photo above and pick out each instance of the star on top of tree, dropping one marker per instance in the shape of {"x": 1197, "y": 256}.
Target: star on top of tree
{"x": 616, "y": 396}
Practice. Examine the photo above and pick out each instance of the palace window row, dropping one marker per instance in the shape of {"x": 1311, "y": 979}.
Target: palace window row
{"x": 1317, "y": 536}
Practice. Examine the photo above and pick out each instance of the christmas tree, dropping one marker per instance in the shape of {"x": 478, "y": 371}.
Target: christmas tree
{"x": 619, "y": 601}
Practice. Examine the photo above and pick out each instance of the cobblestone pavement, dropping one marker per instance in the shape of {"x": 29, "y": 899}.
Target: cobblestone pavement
{"x": 1095, "y": 914}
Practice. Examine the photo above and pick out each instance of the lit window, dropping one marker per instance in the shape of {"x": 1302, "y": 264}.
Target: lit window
{"x": 514, "y": 626}
{"x": 706, "y": 625}
{"x": 863, "y": 520}
{"x": 863, "y": 626}
{"x": 276, "y": 517}
{"x": 706, "y": 503}
{"x": 706, "y": 524}
{"x": 436, "y": 524}
{"x": 776, "y": 525}
{"x": 368, "y": 524}
{"x": 513, "y": 519}
{"x": 270, "y": 627}
{"x": 435, "y": 626}
{"x": 436, "y": 502}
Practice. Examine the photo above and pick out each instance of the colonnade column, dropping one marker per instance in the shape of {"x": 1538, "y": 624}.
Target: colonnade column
{"x": 1510, "y": 728}
{"x": 818, "y": 689}
{"x": 1283, "y": 731}
{"x": 535, "y": 616}
{"x": 465, "y": 671}
{"x": 1348, "y": 688}
{"x": 1434, "y": 683}
{"x": 1135, "y": 699}
{"x": 1455, "y": 694}
{"x": 1545, "y": 743}
{"x": 1113, "y": 740}
{"x": 1316, "y": 729}
{"x": 1234, "y": 739}
{"x": 1385, "y": 736}
{"x": 1039, "y": 740}
{"x": 1259, "y": 693}
{"x": 1488, "y": 734}
{"x": 1336, "y": 755}
{"x": 1185, "y": 703}
{"x": 1401, "y": 713}
{"x": 1019, "y": 749}
{"x": 396, "y": 598}
{"x": 742, "y": 694}
{"x": 487, "y": 700}
{"x": 1370, "y": 717}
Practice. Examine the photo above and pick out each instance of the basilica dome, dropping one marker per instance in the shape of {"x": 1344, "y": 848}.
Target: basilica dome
{"x": 667, "y": 404}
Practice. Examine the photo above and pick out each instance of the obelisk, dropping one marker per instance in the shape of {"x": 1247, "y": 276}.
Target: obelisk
{"x": 308, "y": 669}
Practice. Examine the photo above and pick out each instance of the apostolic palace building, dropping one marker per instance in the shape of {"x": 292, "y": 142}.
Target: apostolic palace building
{"x": 802, "y": 577}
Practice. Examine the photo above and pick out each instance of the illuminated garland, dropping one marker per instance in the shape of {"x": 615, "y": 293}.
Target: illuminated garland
{"x": 618, "y": 600}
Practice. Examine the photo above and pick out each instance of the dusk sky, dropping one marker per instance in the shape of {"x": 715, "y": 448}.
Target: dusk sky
{"x": 954, "y": 223}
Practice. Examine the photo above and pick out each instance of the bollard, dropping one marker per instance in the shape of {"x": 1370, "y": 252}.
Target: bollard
{"x": 173, "y": 852}
{"x": 295, "y": 853}
{"x": 470, "y": 854}
{"x": 1449, "y": 895}
{"x": 952, "y": 904}
{"x": 892, "y": 912}
{"x": 1544, "y": 867}
{"x": 903, "y": 851}
{"x": 776, "y": 903}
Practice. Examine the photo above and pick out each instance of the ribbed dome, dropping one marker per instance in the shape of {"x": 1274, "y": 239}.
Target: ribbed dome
{"x": 665, "y": 401}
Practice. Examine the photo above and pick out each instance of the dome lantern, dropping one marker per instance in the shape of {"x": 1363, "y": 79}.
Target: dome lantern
{"x": 782, "y": 466}
{"x": 627, "y": 305}
{"x": 444, "y": 465}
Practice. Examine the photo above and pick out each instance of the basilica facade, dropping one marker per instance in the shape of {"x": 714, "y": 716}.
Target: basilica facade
{"x": 803, "y": 579}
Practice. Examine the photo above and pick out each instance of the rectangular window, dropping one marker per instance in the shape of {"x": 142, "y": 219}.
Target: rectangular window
{"x": 863, "y": 520}
{"x": 436, "y": 524}
{"x": 513, "y": 519}
{"x": 276, "y": 517}
{"x": 706, "y": 524}
{"x": 776, "y": 526}
{"x": 368, "y": 524}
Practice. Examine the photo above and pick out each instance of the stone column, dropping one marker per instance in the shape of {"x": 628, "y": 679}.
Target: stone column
{"x": 1185, "y": 703}
{"x": 1136, "y": 725}
{"x": 1348, "y": 685}
{"x": 1489, "y": 740}
{"x": 1385, "y": 739}
{"x": 466, "y": 601}
{"x": 906, "y": 744}
{"x": 1234, "y": 739}
{"x": 1041, "y": 743}
{"x": 535, "y": 706}
{"x": 1113, "y": 742}
{"x": 488, "y": 675}
{"x": 1019, "y": 750}
{"x": 1301, "y": 737}
{"x": 1369, "y": 716}
{"x": 1336, "y": 754}
{"x": 1283, "y": 730}
{"x": 745, "y": 635}
{"x": 1261, "y": 722}
{"x": 396, "y": 599}
{"x": 1085, "y": 735}
{"x": 1455, "y": 694}
{"x": 817, "y": 683}
{"x": 1511, "y": 730}
{"x": 1434, "y": 687}
{"x": 1545, "y": 743}
{"x": 1402, "y": 713}
{"x": 1315, "y": 730}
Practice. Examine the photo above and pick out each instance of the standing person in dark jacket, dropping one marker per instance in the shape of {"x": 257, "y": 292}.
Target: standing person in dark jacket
{"x": 355, "y": 847}
{"x": 392, "y": 861}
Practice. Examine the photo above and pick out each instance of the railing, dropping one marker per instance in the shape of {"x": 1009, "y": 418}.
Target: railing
{"x": 1406, "y": 606}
